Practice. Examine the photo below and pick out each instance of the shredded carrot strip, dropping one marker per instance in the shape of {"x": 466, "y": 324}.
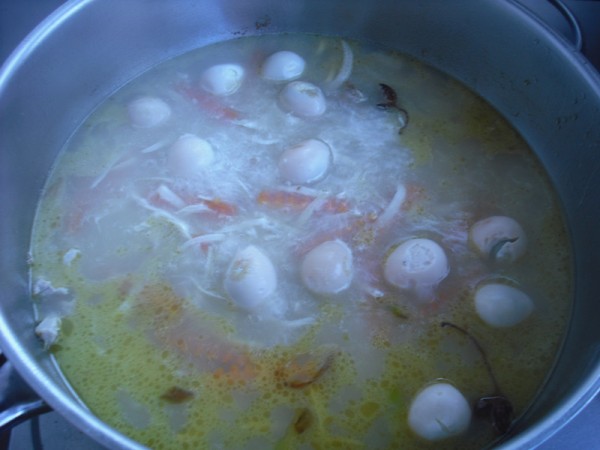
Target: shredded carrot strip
{"x": 220, "y": 207}
{"x": 208, "y": 102}
{"x": 298, "y": 201}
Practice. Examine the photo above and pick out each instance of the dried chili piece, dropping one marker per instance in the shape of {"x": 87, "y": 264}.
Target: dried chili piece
{"x": 303, "y": 421}
{"x": 496, "y": 407}
{"x": 177, "y": 395}
{"x": 391, "y": 102}
{"x": 306, "y": 368}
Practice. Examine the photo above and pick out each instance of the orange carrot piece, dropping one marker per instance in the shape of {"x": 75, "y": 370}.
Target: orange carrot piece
{"x": 173, "y": 201}
{"x": 220, "y": 207}
{"x": 209, "y": 352}
{"x": 298, "y": 201}
{"x": 208, "y": 102}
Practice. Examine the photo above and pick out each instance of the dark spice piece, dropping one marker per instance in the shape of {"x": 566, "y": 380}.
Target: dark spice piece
{"x": 498, "y": 246}
{"x": 392, "y": 103}
{"x": 177, "y": 395}
{"x": 310, "y": 374}
{"x": 306, "y": 368}
{"x": 496, "y": 407}
{"x": 303, "y": 421}
{"x": 390, "y": 95}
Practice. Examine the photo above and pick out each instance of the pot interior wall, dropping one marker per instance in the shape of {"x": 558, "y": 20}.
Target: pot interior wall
{"x": 89, "y": 48}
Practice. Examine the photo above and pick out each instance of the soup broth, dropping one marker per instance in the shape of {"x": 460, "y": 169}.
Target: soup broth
{"x": 298, "y": 241}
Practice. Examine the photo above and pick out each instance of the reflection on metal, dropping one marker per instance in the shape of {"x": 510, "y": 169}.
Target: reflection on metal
{"x": 573, "y": 23}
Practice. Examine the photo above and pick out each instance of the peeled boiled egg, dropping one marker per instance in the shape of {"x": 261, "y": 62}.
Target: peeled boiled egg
{"x": 251, "y": 279}
{"x": 147, "y": 112}
{"x": 416, "y": 263}
{"x": 283, "y": 66}
{"x": 327, "y": 268}
{"x": 305, "y": 162}
{"x": 302, "y": 99}
{"x": 222, "y": 79}
{"x": 500, "y": 238}
{"x": 189, "y": 154}
{"x": 501, "y": 305}
{"x": 438, "y": 412}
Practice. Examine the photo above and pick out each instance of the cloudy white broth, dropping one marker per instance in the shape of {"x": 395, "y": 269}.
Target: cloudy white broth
{"x": 296, "y": 241}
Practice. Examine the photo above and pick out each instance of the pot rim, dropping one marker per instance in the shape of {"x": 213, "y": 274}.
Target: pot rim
{"x": 80, "y": 416}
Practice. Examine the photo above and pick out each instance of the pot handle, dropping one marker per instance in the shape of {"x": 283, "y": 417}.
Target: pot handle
{"x": 18, "y": 402}
{"x": 573, "y": 23}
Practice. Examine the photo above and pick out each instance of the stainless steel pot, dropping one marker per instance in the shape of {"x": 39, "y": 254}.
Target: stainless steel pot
{"x": 88, "y": 48}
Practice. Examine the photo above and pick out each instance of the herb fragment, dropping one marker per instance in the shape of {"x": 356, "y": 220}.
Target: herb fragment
{"x": 398, "y": 312}
{"x": 310, "y": 375}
